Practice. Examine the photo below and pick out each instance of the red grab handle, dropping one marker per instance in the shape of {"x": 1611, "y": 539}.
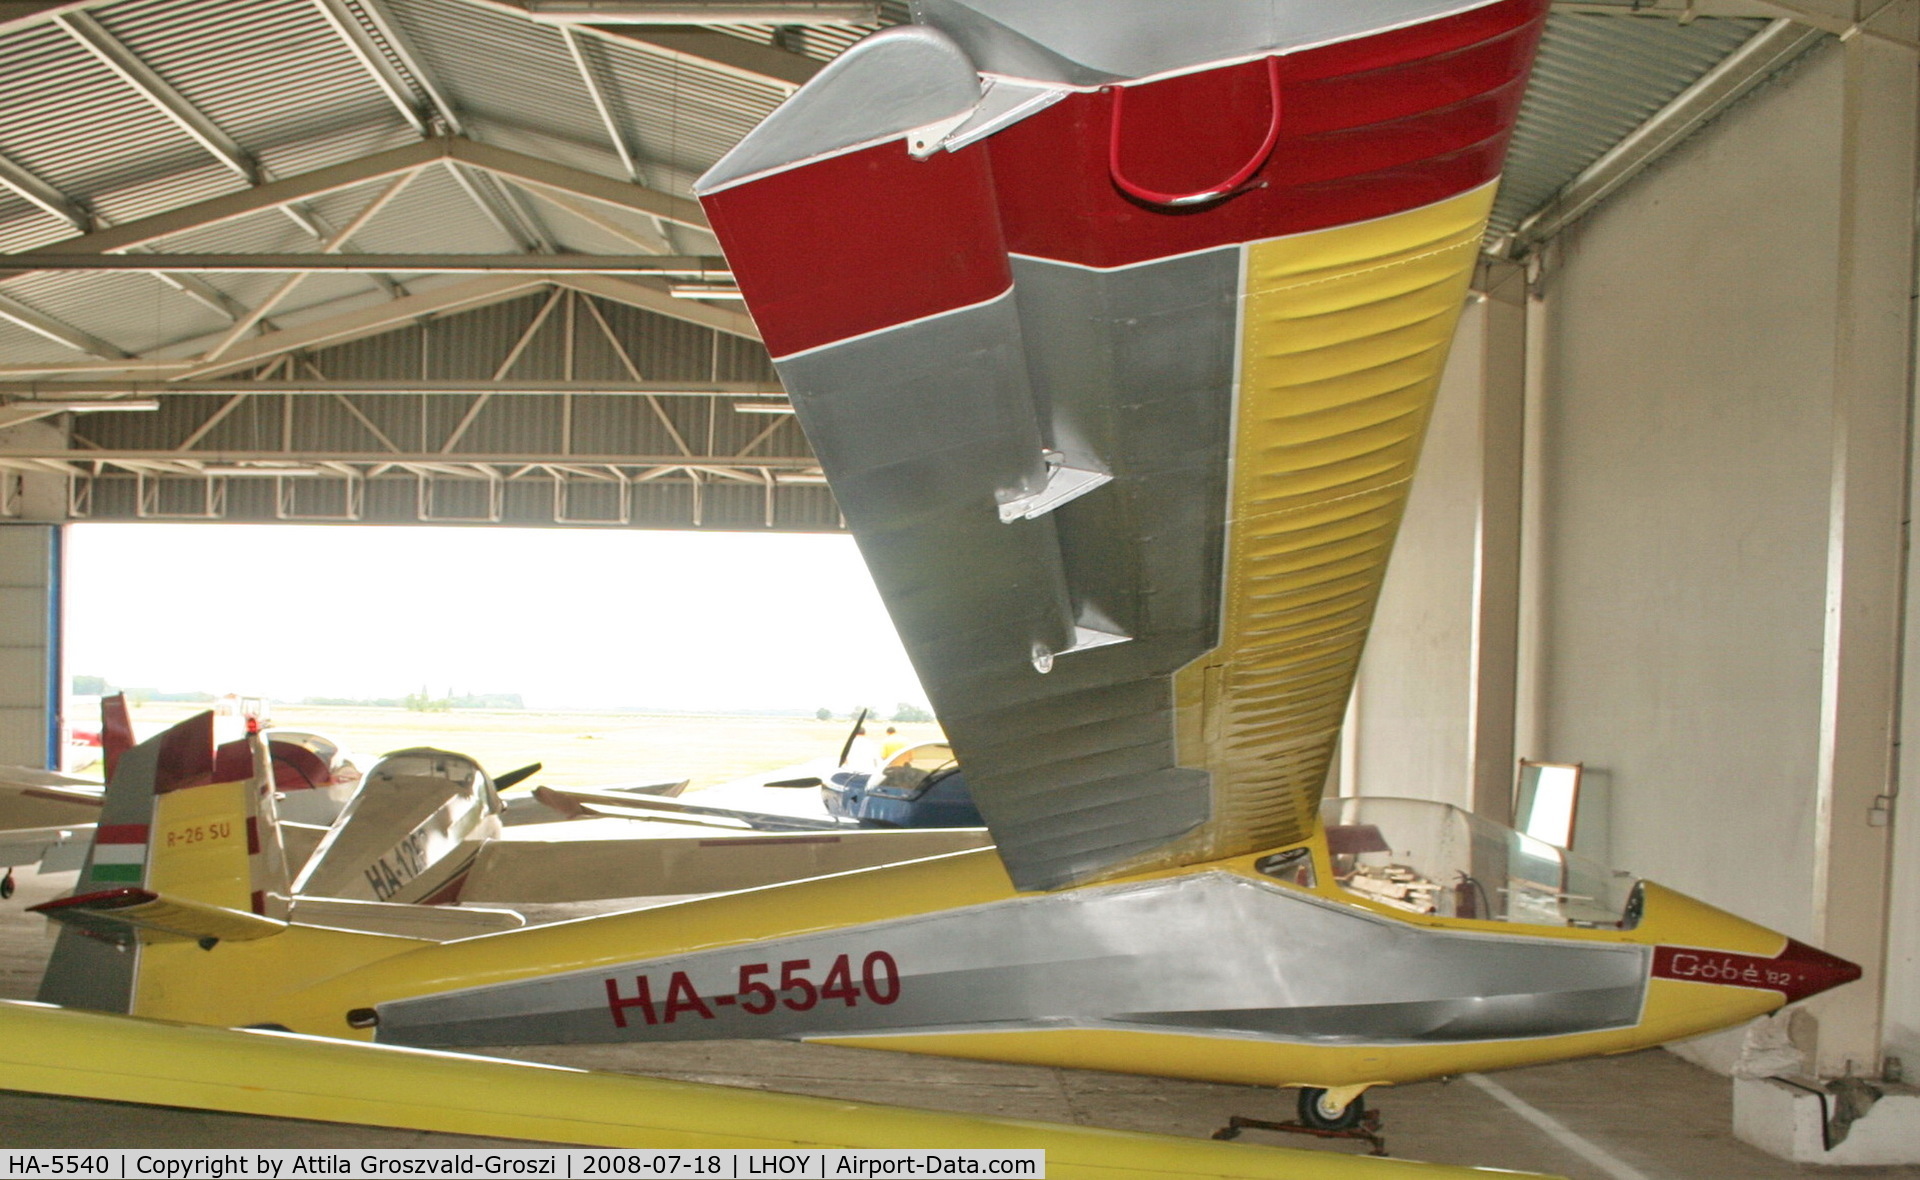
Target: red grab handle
{"x": 1222, "y": 189}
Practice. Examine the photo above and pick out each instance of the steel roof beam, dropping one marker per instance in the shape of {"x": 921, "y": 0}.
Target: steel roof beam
{"x": 655, "y": 299}
{"x": 417, "y": 458}
{"x": 338, "y": 239}
{"x": 352, "y": 173}
{"x": 158, "y": 92}
{"x": 68, "y": 390}
{"x": 496, "y": 210}
{"x": 527, "y": 169}
{"x": 708, "y": 267}
{"x": 147, "y": 82}
{"x": 47, "y": 198}
{"x": 733, "y": 55}
{"x": 648, "y": 239}
{"x": 366, "y": 321}
{"x": 58, "y": 331}
{"x": 521, "y": 210}
{"x": 1680, "y": 9}
{"x": 704, "y": 12}
{"x": 410, "y": 61}
{"x": 304, "y": 186}
{"x": 607, "y": 121}
{"x": 1843, "y": 18}
{"x": 202, "y": 292}
{"x": 1744, "y": 68}
{"x": 368, "y": 53}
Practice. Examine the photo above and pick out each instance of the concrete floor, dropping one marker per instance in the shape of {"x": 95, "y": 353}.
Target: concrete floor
{"x": 1643, "y": 1116}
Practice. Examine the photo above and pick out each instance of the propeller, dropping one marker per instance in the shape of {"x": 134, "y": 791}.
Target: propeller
{"x": 516, "y": 777}
{"x": 853, "y": 733}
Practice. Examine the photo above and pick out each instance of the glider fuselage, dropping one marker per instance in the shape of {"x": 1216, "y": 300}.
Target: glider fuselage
{"x": 1218, "y": 972}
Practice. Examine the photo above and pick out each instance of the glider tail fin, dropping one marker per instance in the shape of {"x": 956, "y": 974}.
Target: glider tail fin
{"x": 116, "y": 731}
{"x": 187, "y": 850}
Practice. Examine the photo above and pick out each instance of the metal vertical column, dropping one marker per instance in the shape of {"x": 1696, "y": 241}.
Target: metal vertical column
{"x": 1861, "y": 651}
{"x": 1494, "y": 647}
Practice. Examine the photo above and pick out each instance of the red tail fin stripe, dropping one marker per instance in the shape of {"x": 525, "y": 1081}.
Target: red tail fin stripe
{"x": 120, "y": 834}
{"x": 259, "y": 900}
{"x": 116, "y": 730}
{"x": 185, "y": 755}
{"x": 105, "y": 899}
{"x": 253, "y": 835}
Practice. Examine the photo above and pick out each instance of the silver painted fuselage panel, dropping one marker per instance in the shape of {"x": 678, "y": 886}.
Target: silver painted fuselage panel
{"x": 1094, "y": 42}
{"x": 1121, "y": 371}
{"x": 1210, "y": 953}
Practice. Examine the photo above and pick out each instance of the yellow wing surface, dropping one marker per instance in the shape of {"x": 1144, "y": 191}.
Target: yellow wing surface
{"x": 51, "y": 1050}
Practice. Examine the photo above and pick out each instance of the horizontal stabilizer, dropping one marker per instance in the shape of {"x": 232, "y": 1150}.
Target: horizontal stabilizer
{"x": 433, "y": 923}
{"x": 26, "y": 846}
{"x": 129, "y": 914}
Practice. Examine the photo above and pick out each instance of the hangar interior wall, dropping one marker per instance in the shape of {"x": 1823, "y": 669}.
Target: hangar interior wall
{"x": 1687, "y": 441}
{"x": 29, "y": 648}
{"x": 1681, "y": 474}
{"x": 1408, "y": 733}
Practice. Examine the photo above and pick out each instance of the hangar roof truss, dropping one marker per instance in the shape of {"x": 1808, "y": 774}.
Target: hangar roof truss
{"x": 439, "y": 259}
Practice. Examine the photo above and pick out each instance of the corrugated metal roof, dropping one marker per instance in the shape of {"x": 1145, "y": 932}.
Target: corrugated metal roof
{"x": 270, "y": 73}
{"x": 279, "y": 79}
{"x": 1596, "y": 79}
{"x": 275, "y": 76}
{"x": 71, "y": 122}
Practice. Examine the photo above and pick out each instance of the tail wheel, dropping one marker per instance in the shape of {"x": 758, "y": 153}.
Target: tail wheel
{"x": 1319, "y": 1111}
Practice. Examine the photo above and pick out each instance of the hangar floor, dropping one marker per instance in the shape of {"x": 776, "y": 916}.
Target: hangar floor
{"x": 1644, "y": 1116}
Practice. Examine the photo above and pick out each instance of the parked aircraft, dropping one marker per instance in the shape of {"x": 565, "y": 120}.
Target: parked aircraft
{"x": 426, "y": 828}
{"x": 1116, "y": 333}
{"x": 920, "y": 787}
{"x": 46, "y": 818}
{"x": 1403, "y": 940}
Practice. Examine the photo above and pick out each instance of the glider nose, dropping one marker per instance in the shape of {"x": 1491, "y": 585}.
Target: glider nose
{"x": 1697, "y": 943}
{"x": 1812, "y": 970}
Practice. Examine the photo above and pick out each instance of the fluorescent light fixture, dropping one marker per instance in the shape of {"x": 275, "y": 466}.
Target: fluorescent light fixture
{"x": 698, "y": 291}
{"x": 763, "y": 407}
{"x": 231, "y": 469}
{"x": 84, "y": 405}
{"x": 813, "y": 477}
{"x": 703, "y": 12}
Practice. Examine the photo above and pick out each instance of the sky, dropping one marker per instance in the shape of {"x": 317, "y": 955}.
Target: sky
{"x": 568, "y": 618}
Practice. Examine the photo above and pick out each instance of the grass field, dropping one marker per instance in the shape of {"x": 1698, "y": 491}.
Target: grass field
{"x": 578, "y": 749}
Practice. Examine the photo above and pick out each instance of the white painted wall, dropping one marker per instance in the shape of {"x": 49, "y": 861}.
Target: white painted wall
{"x": 33, "y": 497}
{"x": 27, "y": 557}
{"x": 1688, "y": 391}
{"x": 1683, "y": 469}
{"x": 1411, "y": 732}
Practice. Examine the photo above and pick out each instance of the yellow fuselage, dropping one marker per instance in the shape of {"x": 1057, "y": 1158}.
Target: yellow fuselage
{"x": 310, "y": 980}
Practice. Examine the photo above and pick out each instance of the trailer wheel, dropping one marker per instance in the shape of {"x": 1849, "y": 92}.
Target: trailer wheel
{"x": 1317, "y": 1112}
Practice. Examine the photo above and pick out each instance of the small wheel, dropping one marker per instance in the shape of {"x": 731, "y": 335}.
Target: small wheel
{"x": 6, "y": 885}
{"x": 1320, "y": 1114}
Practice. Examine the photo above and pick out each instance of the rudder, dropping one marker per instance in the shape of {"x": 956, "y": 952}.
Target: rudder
{"x": 178, "y": 856}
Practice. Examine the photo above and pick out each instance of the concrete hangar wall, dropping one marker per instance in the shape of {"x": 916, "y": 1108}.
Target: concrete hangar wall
{"x": 1659, "y": 530}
